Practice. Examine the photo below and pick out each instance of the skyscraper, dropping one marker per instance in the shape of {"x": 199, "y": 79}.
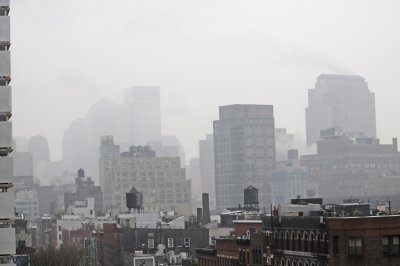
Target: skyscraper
{"x": 39, "y": 148}
{"x": 207, "y": 170}
{"x": 7, "y": 198}
{"x": 340, "y": 101}
{"x": 75, "y": 146}
{"x": 145, "y": 120}
{"x": 244, "y": 153}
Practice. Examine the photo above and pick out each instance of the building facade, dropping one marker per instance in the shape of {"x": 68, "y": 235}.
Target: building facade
{"x": 145, "y": 114}
{"x": 161, "y": 179}
{"x": 244, "y": 153}
{"x": 346, "y": 165}
{"x": 291, "y": 180}
{"x": 7, "y": 197}
{"x": 340, "y": 101}
{"x": 207, "y": 169}
{"x": 85, "y": 188}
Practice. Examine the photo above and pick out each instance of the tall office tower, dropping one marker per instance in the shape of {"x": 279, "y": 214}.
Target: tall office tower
{"x": 193, "y": 173}
{"x": 161, "y": 179}
{"x": 39, "y": 148}
{"x": 207, "y": 170}
{"x": 145, "y": 114}
{"x": 340, "y": 101}
{"x": 7, "y": 197}
{"x": 170, "y": 146}
{"x": 75, "y": 146}
{"x": 21, "y": 144}
{"x": 283, "y": 143}
{"x": 244, "y": 153}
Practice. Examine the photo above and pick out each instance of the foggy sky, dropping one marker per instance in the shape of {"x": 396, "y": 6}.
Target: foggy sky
{"x": 66, "y": 55}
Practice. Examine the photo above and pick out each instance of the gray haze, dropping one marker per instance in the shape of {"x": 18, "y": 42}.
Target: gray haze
{"x": 69, "y": 54}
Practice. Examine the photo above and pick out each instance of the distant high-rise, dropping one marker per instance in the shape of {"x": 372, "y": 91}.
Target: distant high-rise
{"x": 244, "y": 153}
{"x": 39, "y": 148}
{"x": 7, "y": 196}
{"x": 340, "y": 101}
{"x": 145, "y": 120}
{"x": 136, "y": 121}
{"x": 75, "y": 146}
{"x": 207, "y": 169}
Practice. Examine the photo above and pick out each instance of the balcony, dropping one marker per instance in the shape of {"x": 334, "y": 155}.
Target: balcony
{"x": 5, "y": 64}
{"x": 4, "y": 3}
{"x": 5, "y": 138}
{"x": 5, "y": 30}
{"x": 5, "y": 103}
{"x": 7, "y": 241}
{"x": 6, "y": 170}
{"x": 7, "y": 204}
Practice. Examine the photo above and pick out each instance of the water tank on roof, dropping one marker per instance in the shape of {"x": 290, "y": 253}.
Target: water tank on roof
{"x": 251, "y": 197}
{"x": 134, "y": 199}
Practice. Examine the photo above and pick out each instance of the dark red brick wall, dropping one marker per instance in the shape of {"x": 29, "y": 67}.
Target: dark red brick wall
{"x": 371, "y": 230}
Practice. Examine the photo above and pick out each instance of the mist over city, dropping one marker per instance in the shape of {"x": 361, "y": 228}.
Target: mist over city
{"x": 199, "y": 133}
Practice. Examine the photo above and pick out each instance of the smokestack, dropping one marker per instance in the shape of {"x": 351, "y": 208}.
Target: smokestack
{"x": 200, "y": 215}
{"x": 206, "y": 208}
{"x": 394, "y": 143}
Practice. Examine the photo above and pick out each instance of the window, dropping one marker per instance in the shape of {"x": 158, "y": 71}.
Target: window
{"x": 186, "y": 242}
{"x": 335, "y": 245}
{"x": 170, "y": 242}
{"x": 150, "y": 243}
{"x": 390, "y": 245}
{"x": 355, "y": 246}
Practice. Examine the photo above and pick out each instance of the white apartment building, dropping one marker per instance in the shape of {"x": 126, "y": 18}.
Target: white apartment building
{"x": 7, "y": 198}
{"x": 161, "y": 180}
{"x": 27, "y": 204}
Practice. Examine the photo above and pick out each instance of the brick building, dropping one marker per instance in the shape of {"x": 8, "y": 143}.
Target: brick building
{"x": 249, "y": 246}
{"x": 364, "y": 241}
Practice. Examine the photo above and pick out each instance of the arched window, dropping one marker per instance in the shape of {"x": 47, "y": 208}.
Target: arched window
{"x": 300, "y": 263}
{"x": 312, "y": 243}
{"x": 305, "y": 241}
{"x": 294, "y": 263}
{"x": 325, "y": 242}
{"x": 318, "y": 242}
{"x": 282, "y": 240}
{"x": 288, "y": 262}
{"x": 287, "y": 241}
{"x": 293, "y": 247}
{"x": 299, "y": 242}
{"x": 275, "y": 239}
{"x": 306, "y": 264}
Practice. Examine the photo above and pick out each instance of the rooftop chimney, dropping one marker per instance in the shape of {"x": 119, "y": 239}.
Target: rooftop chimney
{"x": 200, "y": 215}
{"x": 206, "y": 208}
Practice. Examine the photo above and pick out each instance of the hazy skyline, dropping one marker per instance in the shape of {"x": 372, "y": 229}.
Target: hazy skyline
{"x": 67, "y": 55}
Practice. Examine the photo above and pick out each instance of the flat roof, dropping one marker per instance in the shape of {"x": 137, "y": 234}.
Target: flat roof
{"x": 248, "y": 221}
